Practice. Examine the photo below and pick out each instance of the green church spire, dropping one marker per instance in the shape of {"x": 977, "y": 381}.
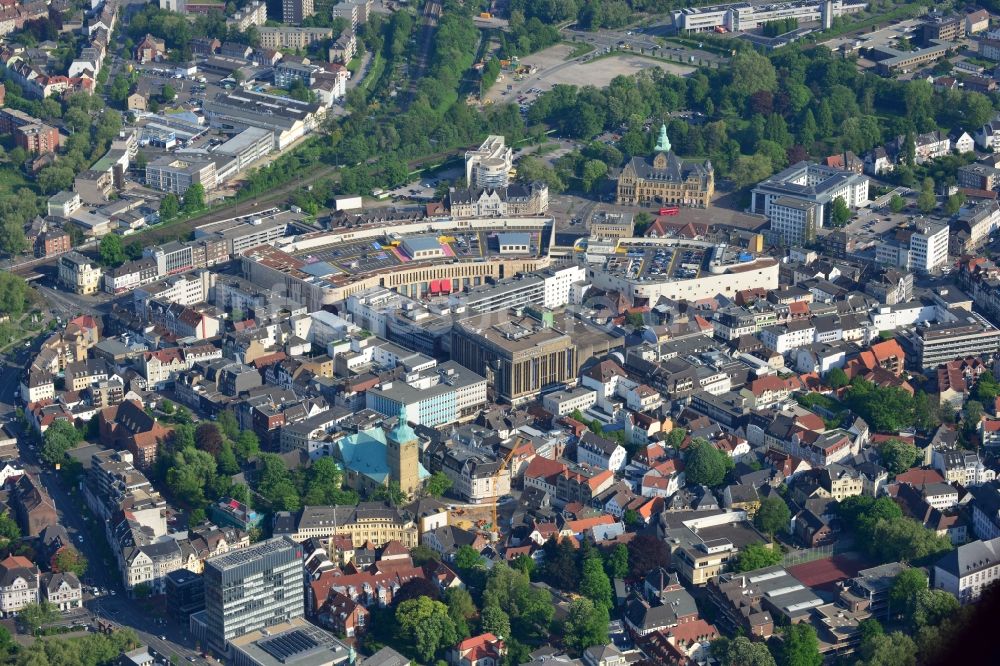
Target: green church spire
{"x": 663, "y": 143}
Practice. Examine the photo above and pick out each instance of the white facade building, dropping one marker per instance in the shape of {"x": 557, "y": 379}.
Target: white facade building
{"x": 561, "y": 286}
{"x": 490, "y": 165}
{"x": 969, "y": 569}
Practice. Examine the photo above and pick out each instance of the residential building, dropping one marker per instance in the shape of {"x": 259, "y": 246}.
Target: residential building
{"x": 344, "y": 48}
{"x": 37, "y": 138}
{"x": 355, "y": 12}
{"x": 296, "y": 11}
{"x": 79, "y": 274}
{"x": 978, "y": 176}
{"x": 977, "y": 21}
{"x": 489, "y": 166}
{"x": 62, "y": 590}
{"x": 252, "y": 14}
{"x": 600, "y": 453}
{"x": 279, "y": 38}
{"x": 482, "y": 650}
{"x": 874, "y": 586}
{"x": 561, "y": 403}
{"x": 64, "y": 204}
{"x": 251, "y": 589}
{"x": 19, "y": 582}
{"x": 477, "y": 474}
{"x": 666, "y": 178}
{"x": 53, "y": 242}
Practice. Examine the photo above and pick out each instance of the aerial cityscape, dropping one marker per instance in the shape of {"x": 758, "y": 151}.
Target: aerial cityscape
{"x": 499, "y": 332}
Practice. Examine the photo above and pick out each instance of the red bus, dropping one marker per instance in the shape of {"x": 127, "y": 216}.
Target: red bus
{"x": 671, "y": 210}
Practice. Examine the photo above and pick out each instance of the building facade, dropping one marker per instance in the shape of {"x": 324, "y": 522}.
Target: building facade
{"x": 666, "y": 179}
{"x": 251, "y": 589}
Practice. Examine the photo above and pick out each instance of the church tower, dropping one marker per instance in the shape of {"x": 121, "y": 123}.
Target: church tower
{"x": 662, "y": 143}
{"x": 403, "y": 455}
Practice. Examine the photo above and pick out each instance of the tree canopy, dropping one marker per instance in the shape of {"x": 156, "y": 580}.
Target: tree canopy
{"x": 706, "y": 465}
{"x": 757, "y": 556}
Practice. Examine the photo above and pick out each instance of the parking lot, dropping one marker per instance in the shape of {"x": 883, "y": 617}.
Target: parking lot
{"x": 382, "y": 255}
{"x": 658, "y": 263}
{"x": 552, "y": 68}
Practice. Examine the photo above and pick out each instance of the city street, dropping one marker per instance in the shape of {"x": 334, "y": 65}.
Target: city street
{"x": 88, "y": 537}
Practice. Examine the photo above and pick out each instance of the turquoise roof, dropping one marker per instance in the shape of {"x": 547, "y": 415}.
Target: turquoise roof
{"x": 365, "y": 453}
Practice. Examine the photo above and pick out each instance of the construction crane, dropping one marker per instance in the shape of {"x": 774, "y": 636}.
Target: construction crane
{"x": 496, "y": 485}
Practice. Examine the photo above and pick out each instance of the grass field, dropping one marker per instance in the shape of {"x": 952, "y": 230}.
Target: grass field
{"x": 12, "y": 179}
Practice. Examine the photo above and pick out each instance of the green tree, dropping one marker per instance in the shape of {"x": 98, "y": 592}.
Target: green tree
{"x": 616, "y": 562}
{"x": 524, "y": 564}
{"x": 895, "y": 649}
{"x": 111, "y": 250}
{"x": 840, "y": 214}
{"x": 529, "y": 608}
{"x": 467, "y": 559}
{"x": 594, "y": 583}
{"x": 799, "y": 646}
{"x": 954, "y": 203}
{"x": 837, "y": 379}
{"x": 635, "y": 320}
{"x": 59, "y": 438}
{"x": 228, "y": 424}
{"x": 493, "y": 620}
{"x": 169, "y": 207}
{"x": 972, "y": 415}
{"x": 391, "y": 493}
{"x": 438, "y": 484}
{"x": 646, "y": 553}
{"x": 9, "y": 529}
{"x": 898, "y": 456}
{"x": 773, "y": 516}
{"x": 425, "y": 626}
{"x": 741, "y": 651}
{"x": 461, "y": 609}
{"x": 69, "y": 559}
{"x": 705, "y": 464}
{"x": 247, "y": 445}
{"x": 750, "y": 170}
{"x": 926, "y": 200}
{"x": 676, "y": 437}
{"x": 932, "y": 607}
{"x": 751, "y": 72}
{"x": 593, "y": 174}
{"x": 757, "y": 556}
{"x": 194, "y": 198}
{"x": 585, "y": 626}
{"x": 35, "y": 615}
{"x": 897, "y": 203}
{"x": 167, "y": 93}
{"x": 15, "y": 294}
{"x": 987, "y": 389}
{"x": 905, "y": 589}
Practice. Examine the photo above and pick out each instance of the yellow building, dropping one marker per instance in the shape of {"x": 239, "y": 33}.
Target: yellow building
{"x": 79, "y": 274}
{"x": 666, "y": 179}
